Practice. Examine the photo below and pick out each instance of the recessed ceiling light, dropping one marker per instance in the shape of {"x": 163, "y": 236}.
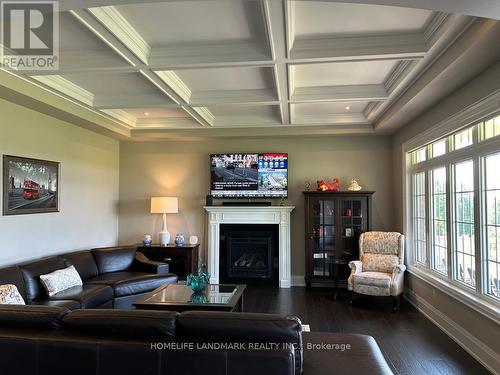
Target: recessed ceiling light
{"x": 347, "y": 107}
{"x": 146, "y": 113}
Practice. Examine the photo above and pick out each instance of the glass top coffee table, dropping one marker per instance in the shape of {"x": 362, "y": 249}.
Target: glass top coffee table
{"x": 180, "y": 297}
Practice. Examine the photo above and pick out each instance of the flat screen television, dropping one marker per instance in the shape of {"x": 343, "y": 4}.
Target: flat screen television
{"x": 249, "y": 175}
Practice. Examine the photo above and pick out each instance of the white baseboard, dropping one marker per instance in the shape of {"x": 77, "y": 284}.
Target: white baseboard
{"x": 476, "y": 348}
{"x": 298, "y": 280}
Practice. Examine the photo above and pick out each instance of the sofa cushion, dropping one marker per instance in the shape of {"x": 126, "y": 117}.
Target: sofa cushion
{"x": 36, "y": 317}
{"x": 9, "y": 295}
{"x": 60, "y": 280}
{"x": 241, "y": 327}
{"x": 131, "y": 323}
{"x": 31, "y": 274}
{"x": 114, "y": 259}
{"x": 84, "y": 263}
{"x": 46, "y": 301}
{"x": 89, "y": 296}
{"x": 13, "y": 275}
{"x": 126, "y": 283}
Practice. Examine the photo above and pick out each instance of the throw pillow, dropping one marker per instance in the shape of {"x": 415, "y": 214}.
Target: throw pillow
{"x": 9, "y": 295}
{"x": 60, "y": 280}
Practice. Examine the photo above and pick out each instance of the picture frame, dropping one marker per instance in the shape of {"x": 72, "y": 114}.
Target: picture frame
{"x": 30, "y": 186}
{"x": 348, "y": 232}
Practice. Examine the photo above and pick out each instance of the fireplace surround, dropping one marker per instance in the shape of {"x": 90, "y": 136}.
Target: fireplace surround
{"x": 249, "y": 215}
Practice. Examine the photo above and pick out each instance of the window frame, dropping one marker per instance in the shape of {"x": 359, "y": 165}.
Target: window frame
{"x": 477, "y": 114}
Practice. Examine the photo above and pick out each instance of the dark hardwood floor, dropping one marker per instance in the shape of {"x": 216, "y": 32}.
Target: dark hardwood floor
{"x": 410, "y": 342}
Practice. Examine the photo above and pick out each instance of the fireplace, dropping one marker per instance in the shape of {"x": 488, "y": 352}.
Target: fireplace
{"x": 245, "y": 216}
{"x": 249, "y": 254}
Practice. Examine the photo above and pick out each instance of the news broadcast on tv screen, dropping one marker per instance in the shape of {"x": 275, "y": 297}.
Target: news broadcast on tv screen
{"x": 249, "y": 175}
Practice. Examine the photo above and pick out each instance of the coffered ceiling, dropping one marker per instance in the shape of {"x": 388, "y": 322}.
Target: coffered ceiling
{"x": 180, "y": 66}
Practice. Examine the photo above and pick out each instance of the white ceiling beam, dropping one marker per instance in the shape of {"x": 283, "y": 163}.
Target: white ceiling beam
{"x": 123, "y": 30}
{"x": 479, "y": 8}
{"x": 339, "y": 93}
{"x": 176, "y": 83}
{"x": 366, "y": 47}
{"x": 275, "y": 26}
{"x": 204, "y": 118}
{"x": 240, "y": 97}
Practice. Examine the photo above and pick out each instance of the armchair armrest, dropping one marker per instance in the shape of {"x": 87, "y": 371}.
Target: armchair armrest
{"x": 400, "y": 268}
{"x": 356, "y": 266}
{"x": 142, "y": 263}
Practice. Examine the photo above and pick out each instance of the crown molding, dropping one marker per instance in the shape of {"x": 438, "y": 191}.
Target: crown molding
{"x": 339, "y": 93}
{"x": 329, "y": 118}
{"x": 435, "y": 27}
{"x": 398, "y": 74}
{"x": 176, "y": 84}
{"x": 122, "y": 116}
{"x": 360, "y": 47}
{"x": 171, "y": 123}
{"x": 113, "y": 20}
{"x": 205, "y": 113}
{"x": 66, "y": 87}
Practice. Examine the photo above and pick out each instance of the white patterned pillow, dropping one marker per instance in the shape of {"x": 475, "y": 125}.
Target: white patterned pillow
{"x": 9, "y": 295}
{"x": 60, "y": 280}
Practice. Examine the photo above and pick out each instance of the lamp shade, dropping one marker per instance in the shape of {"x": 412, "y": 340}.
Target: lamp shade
{"x": 164, "y": 205}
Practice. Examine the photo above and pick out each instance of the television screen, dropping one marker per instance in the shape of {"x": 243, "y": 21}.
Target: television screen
{"x": 249, "y": 175}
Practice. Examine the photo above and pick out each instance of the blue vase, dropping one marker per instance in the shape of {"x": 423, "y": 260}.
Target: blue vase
{"x": 198, "y": 297}
{"x": 198, "y": 283}
{"x": 179, "y": 240}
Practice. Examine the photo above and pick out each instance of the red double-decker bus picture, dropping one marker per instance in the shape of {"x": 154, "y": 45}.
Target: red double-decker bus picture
{"x": 31, "y": 190}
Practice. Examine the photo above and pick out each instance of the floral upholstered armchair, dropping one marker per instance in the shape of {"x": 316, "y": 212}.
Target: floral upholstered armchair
{"x": 380, "y": 270}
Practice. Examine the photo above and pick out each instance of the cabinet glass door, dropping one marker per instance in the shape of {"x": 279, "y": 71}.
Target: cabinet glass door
{"x": 323, "y": 235}
{"x": 352, "y": 225}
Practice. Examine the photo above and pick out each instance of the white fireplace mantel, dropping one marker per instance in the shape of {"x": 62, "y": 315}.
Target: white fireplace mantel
{"x": 279, "y": 215}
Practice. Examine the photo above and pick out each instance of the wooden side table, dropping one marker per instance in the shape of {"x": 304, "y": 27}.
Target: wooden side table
{"x": 182, "y": 260}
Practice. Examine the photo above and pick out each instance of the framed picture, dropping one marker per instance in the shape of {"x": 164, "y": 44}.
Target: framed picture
{"x": 348, "y": 232}
{"x": 30, "y": 186}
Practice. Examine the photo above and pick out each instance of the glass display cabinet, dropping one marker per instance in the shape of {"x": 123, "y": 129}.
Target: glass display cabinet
{"x": 334, "y": 221}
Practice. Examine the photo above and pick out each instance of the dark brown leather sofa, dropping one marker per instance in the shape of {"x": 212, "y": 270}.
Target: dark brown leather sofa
{"x": 78, "y": 332}
{"x": 55, "y": 341}
{"x": 113, "y": 277}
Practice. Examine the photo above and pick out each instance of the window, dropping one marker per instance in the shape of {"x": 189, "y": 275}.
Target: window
{"x": 419, "y": 221}
{"x": 454, "y": 220}
{"x": 463, "y": 139}
{"x": 419, "y": 155}
{"x": 439, "y": 216}
{"x": 492, "y": 221}
{"x": 491, "y": 128}
{"x": 463, "y": 196}
{"x": 438, "y": 148}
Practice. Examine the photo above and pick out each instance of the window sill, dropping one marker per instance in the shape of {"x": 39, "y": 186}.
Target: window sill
{"x": 482, "y": 305}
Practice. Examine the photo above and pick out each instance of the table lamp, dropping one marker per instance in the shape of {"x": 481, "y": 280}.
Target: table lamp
{"x": 164, "y": 205}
